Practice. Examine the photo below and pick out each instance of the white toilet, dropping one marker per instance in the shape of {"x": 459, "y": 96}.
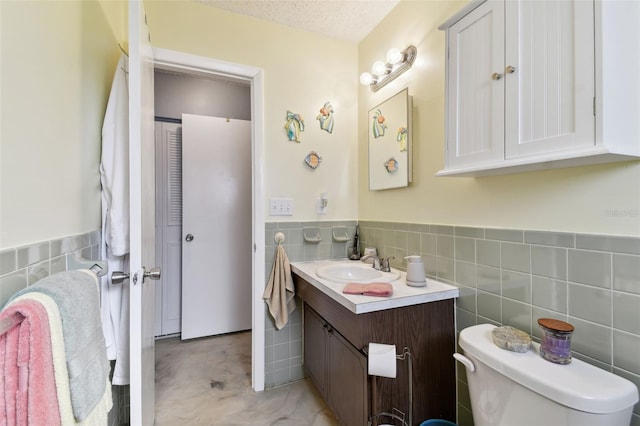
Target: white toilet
{"x": 518, "y": 389}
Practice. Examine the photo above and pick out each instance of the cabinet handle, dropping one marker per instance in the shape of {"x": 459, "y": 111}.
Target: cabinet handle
{"x": 496, "y": 76}
{"x": 510, "y": 69}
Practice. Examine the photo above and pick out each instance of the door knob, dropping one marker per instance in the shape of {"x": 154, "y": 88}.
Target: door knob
{"x": 117, "y": 277}
{"x": 510, "y": 69}
{"x": 496, "y": 76}
{"x": 153, "y": 274}
{"x": 189, "y": 238}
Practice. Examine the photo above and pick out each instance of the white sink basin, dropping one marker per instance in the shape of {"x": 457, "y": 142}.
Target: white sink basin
{"x": 355, "y": 273}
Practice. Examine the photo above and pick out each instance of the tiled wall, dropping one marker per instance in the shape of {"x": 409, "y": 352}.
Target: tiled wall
{"x": 513, "y": 277}
{"x": 23, "y": 266}
{"x": 283, "y": 348}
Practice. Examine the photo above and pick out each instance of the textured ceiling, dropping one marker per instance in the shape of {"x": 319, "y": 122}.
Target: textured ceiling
{"x": 349, "y": 20}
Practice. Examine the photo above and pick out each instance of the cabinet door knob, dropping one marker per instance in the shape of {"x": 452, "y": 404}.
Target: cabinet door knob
{"x": 510, "y": 69}
{"x": 496, "y": 76}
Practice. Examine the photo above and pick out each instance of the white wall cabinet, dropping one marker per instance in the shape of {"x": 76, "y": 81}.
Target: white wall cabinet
{"x": 530, "y": 85}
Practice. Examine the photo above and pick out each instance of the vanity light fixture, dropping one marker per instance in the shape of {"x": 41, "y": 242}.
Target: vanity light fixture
{"x": 382, "y": 73}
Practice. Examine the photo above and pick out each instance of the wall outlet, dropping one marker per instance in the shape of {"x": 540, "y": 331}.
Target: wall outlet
{"x": 281, "y": 207}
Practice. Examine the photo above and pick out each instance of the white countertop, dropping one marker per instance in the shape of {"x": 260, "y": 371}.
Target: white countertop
{"x": 403, "y": 295}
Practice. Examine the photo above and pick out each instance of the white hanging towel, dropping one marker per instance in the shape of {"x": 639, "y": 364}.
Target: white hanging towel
{"x": 280, "y": 290}
{"x": 114, "y": 176}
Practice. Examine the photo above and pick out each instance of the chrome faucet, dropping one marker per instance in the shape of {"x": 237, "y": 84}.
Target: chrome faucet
{"x": 379, "y": 264}
{"x": 376, "y": 260}
{"x": 386, "y": 266}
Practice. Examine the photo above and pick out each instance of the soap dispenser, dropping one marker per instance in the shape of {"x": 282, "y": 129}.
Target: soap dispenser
{"x": 415, "y": 271}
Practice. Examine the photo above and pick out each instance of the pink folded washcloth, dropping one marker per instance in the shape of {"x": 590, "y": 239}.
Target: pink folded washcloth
{"x": 371, "y": 289}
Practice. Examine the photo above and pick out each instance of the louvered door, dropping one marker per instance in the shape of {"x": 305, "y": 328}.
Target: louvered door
{"x": 169, "y": 226}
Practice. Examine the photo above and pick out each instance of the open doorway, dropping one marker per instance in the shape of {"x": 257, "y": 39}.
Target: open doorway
{"x": 203, "y": 204}
{"x": 200, "y": 67}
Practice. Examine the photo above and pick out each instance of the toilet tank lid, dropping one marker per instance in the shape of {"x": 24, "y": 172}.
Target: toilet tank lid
{"x": 577, "y": 385}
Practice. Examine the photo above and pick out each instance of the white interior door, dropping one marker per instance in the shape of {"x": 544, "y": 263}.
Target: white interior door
{"x": 216, "y": 226}
{"x": 142, "y": 209}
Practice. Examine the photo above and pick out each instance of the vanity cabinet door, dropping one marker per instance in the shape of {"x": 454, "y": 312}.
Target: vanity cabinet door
{"x": 337, "y": 369}
{"x": 347, "y": 381}
{"x": 475, "y": 89}
{"x": 548, "y": 77}
{"x": 315, "y": 349}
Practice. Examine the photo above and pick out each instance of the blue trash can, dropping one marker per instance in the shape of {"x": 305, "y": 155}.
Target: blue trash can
{"x": 437, "y": 422}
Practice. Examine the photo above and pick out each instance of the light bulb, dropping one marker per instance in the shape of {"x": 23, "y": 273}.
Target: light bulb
{"x": 366, "y": 79}
{"x": 394, "y": 56}
{"x": 379, "y": 68}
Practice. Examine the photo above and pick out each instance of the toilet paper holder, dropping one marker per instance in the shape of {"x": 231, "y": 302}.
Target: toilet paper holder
{"x": 395, "y": 413}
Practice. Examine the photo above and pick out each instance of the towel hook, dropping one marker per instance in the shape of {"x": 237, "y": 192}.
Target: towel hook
{"x": 279, "y": 237}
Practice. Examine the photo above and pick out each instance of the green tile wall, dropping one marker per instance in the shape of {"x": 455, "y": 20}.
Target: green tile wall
{"x": 23, "y": 266}
{"x": 513, "y": 277}
{"x": 283, "y": 348}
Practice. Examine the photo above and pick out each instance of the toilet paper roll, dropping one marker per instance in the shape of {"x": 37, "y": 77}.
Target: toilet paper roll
{"x": 382, "y": 360}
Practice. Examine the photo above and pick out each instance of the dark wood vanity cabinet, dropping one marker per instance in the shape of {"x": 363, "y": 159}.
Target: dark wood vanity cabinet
{"x": 338, "y": 370}
{"x": 315, "y": 349}
{"x": 334, "y": 339}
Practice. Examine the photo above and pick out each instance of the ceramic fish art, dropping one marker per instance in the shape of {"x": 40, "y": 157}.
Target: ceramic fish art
{"x": 313, "y": 160}
{"x": 378, "y": 124}
{"x": 326, "y": 117}
{"x": 391, "y": 165}
{"x": 402, "y": 138}
{"x": 294, "y": 125}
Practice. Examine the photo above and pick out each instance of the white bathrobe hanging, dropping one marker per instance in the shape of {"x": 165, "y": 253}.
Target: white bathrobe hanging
{"x": 114, "y": 176}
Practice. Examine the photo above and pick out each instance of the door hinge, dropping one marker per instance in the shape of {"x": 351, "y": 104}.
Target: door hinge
{"x": 594, "y": 106}
{"x": 255, "y": 248}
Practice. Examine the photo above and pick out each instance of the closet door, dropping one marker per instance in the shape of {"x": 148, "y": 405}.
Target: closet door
{"x": 216, "y": 225}
{"x": 549, "y": 77}
{"x": 169, "y": 226}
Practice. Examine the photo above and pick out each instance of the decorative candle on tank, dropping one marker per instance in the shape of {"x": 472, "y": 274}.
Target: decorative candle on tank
{"x": 555, "y": 343}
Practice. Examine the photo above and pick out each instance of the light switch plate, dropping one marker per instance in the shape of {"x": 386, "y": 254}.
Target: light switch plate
{"x": 281, "y": 207}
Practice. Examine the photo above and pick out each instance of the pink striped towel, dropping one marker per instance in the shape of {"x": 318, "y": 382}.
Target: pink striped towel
{"x": 370, "y": 289}
{"x": 29, "y": 389}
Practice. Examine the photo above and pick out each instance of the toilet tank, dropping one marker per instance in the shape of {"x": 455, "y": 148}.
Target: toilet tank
{"x": 509, "y": 388}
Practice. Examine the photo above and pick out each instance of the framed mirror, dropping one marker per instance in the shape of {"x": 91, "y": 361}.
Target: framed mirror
{"x": 390, "y": 143}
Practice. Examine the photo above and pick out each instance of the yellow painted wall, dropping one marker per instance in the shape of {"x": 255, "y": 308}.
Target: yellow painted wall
{"x": 301, "y": 72}
{"x": 57, "y": 64}
{"x": 116, "y": 12}
{"x": 601, "y": 199}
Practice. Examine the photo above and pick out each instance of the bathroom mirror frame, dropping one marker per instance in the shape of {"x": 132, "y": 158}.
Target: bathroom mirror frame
{"x": 390, "y": 149}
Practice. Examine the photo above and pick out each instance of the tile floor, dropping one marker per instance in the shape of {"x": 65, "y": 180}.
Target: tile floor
{"x": 208, "y": 382}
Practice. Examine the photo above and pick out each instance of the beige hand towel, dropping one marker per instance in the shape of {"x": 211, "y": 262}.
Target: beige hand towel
{"x": 279, "y": 292}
